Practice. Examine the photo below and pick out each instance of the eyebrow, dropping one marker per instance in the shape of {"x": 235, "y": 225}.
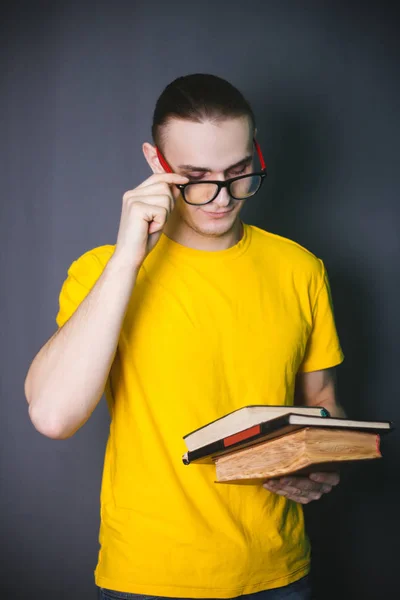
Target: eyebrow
{"x": 247, "y": 159}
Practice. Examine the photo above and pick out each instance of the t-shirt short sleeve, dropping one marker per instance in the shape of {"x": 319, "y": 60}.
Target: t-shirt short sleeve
{"x": 81, "y": 277}
{"x": 323, "y": 348}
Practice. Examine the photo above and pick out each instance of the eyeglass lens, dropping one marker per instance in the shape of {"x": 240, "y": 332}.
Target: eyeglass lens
{"x": 201, "y": 193}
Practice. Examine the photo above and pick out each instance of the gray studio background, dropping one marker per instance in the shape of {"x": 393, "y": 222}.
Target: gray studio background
{"x": 78, "y": 86}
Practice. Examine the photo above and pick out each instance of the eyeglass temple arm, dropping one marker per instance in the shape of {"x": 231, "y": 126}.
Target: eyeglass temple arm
{"x": 163, "y": 162}
{"x": 168, "y": 169}
{"x": 260, "y": 156}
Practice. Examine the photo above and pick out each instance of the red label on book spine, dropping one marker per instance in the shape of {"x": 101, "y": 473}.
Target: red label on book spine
{"x": 378, "y": 444}
{"x": 242, "y": 435}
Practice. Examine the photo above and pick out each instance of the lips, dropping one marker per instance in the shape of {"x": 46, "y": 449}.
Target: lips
{"x": 217, "y": 214}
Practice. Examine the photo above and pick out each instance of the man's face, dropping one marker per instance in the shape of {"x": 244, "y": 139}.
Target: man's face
{"x": 208, "y": 151}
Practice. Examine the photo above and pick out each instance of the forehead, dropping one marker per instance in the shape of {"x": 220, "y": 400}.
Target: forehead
{"x": 208, "y": 144}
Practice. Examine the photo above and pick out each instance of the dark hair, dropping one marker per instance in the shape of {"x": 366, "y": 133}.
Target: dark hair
{"x": 199, "y": 97}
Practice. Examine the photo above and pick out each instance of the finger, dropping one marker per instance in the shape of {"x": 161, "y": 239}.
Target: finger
{"x": 152, "y": 213}
{"x": 301, "y": 486}
{"x": 306, "y": 499}
{"x": 163, "y": 177}
{"x": 302, "y": 483}
{"x": 157, "y": 195}
{"x": 285, "y": 484}
{"x": 329, "y": 478}
{"x": 313, "y": 493}
{"x": 161, "y": 189}
{"x": 164, "y": 200}
{"x": 294, "y": 491}
{"x": 155, "y": 188}
{"x": 300, "y": 499}
{"x": 271, "y": 484}
{"x": 291, "y": 480}
{"x": 282, "y": 492}
{"x": 158, "y": 221}
{"x": 155, "y": 201}
{"x": 326, "y": 488}
{"x": 291, "y": 493}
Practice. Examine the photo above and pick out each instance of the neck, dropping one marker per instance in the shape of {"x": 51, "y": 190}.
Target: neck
{"x": 182, "y": 233}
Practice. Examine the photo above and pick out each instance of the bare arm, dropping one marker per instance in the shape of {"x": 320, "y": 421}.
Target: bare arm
{"x": 318, "y": 388}
{"x": 67, "y": 377}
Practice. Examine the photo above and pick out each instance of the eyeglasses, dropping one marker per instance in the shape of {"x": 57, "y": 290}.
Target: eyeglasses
{"x": 203, "y": 192}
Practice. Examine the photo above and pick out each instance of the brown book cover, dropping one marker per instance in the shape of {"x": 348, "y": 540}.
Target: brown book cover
{"x": 301, "y": 451}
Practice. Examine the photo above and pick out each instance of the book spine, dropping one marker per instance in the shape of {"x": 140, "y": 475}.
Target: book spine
{"x": 241, "y": 436}
{"x": 236, "y": 441}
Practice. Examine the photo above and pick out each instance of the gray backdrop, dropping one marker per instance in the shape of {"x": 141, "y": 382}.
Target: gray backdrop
{"x": 78, "y": 86}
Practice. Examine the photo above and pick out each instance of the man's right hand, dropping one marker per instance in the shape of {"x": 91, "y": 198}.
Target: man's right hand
{"x": 145, "y": 211}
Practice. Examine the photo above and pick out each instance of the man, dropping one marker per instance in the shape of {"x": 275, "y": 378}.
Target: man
{"x": 192, "y": 314}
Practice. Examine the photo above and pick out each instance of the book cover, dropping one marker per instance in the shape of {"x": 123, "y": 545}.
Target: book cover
{"x": 243, "y": 418}
{"x": 274, "y": 428}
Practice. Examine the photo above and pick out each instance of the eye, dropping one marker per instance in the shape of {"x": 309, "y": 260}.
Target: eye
{"x": 242, "y": 170}
{"x": 195, "y": 175}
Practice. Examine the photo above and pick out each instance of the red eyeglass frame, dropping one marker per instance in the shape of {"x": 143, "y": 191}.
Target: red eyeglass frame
{"x": 168, "y": 169}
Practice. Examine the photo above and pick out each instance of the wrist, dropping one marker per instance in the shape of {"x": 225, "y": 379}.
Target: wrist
{"x": 124, "y": 265}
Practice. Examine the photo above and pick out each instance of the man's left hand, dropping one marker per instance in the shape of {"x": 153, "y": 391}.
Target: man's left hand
{"x": 303, "y": 489}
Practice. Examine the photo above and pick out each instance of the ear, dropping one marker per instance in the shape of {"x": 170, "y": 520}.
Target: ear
{"x": 151, "y": 157}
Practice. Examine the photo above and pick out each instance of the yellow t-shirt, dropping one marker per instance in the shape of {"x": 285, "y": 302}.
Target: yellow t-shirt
{"x": 205, "y": 333}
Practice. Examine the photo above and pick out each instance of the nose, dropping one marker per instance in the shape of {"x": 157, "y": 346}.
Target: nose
{"x": 223, "y": 199}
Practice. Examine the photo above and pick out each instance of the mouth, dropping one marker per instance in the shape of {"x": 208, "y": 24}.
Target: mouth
{"x": 217, "y": 215}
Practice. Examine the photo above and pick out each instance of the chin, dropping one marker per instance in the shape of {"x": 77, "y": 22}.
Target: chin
{"x": 216, "y": 227}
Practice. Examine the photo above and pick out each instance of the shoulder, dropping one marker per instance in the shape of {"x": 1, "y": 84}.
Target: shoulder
{"x": 82, "y": 275}
{"x": 286, "y": 252}
{"x": 90, "y": 265}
